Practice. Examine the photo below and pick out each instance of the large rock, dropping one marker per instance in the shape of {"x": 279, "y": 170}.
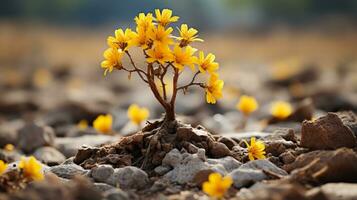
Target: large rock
{"x": 327, "y": 132}
{"x": 128, "y": 177}
{"x": 254, "y": 171}
{"x": 49, "y": 156}
{"x": 32, "y": 136}
{"x": 324, "y": 166}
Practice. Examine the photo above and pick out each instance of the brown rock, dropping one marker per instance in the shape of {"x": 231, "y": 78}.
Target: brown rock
{"x": 349, "y": 119}
{"x": 327, "y": 132}
{"x": 287, "y": 157}
{"x": 325, "y": 166}
{"x": 229, "y": 142}
{"x": 202, "y": 176}
{"x": 219, "y": 150}
{"x": 84, "y": 153}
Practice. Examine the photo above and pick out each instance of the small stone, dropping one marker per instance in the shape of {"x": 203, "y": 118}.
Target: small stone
{"x": 128, "y": 177}
{"x": 102, "y": 172}
{"x": 327, "y": 132}
{"x": 202, "y": 176}
{"x": 116, "y": 194}
{"x": 162, "y": 169}
{"x": 68, "y": 171}
{"x": 32, "y": 136}
{"x": 229, "y": 163}
{"x": 102, "y": 187}
{"x": 254, "y": 171}
{"x": 246, "y": 177}
{"x": 230, "y": 143}
{"x": 49, "y": 156}
{"x": 185, "y": 170}
{"x": 219, "y": 150}
{"x": 173, "y": 158}
{"x": 287, "y": 157}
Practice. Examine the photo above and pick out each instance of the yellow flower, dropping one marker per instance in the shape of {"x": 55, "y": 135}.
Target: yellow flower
{"x": 83, "y": 124}
{"x": 182, "y": 57}
{"x": 214, "y": 89}
{"x": 3, "y": 167}
{"x": 161, "y": 36}
{"x": 216, "y": 186}
{"x": 141, "y": 38}
{"x": 144, "y": 22}
{"x": 281, "y": 109}
{"x": 112, "y": 59}
{"x": 32, "y": 169}
{"x": 122, "y": 40}
{"x": 165, "y": 17}
{"x": 256, "y": 149}
{"x": 9, "y": 147}
{"x": 103, "y": 123}
{"x": 247, "y": 104}
{"x": 188, "y": 35}
{"x": 137, "y": 114}
{"x": 206, "y": 63}
{"x": 159, "y": 53}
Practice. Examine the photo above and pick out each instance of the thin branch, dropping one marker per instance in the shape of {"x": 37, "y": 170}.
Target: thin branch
{"x": 138, "y": 70}
{"x": 153, "y": 87}
{"x": 192, "y": 82}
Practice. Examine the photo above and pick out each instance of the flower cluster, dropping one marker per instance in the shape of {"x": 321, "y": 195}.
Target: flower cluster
{"x": 163, "y": 52}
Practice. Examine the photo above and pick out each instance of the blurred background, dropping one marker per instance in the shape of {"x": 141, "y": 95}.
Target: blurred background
{"x": 50, "y": 54}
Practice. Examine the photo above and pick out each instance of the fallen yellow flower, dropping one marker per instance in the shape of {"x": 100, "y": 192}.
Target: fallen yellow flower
{"x": 247, "y": 104}
{"x": 216, "y": 186}
{"x": 103, "y": 124}
{"x": 281, "y": 109}
{"x": 3, "y": 167}
{"x": 31, "y": 168}
{"x": 137, "y": 114}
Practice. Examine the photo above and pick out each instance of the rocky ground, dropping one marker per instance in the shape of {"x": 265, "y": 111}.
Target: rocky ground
{"x": 311, "y": 155}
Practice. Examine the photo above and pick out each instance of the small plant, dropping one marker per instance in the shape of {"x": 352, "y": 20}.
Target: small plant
{"x": 31, "y": 168}
{"x": 137, "y": 114}
{"x": 256, "y": 149}
{"x": 217, "y": 186}
{"x": 281, "y": 110}
{"x": 103, "y": 124}
{"x": 167, "y": 57}
{"x": 3, "y": 167}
